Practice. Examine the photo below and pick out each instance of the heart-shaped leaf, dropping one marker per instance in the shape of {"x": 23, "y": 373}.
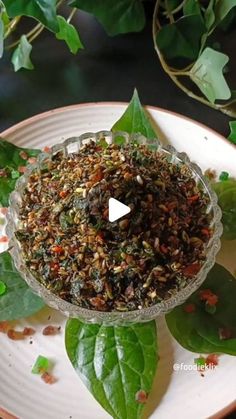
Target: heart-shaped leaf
{"x": 203, "y": 327}
{"x": 18, "y": 301}
{"x": 226, "y": 192}
{"x": 135, "y": 119}
{"x": 117, "y": 364}
{"x": 116, "y": 16}
{"x": 207, "y": 74}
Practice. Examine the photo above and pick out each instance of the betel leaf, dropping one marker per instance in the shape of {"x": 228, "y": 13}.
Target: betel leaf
{"x": 114, "y": 362}
{"x": 207, "y": 74}
{"x": 1, "y": 36}
{"x": 182, "y": 38}
{"x": 11, "y": 160}
{"x": 18, "y": 301}
{"x": 226, "y": 192}
{"x": 135, "y": 119}
{"x": 21, "y": 55}
{"x": 232, "y": 135}
{"x": 68, "y": 33}
{"x": 204, "y": 332}
{"x": 116, "y": 16}
{"x": 42, "y": 10}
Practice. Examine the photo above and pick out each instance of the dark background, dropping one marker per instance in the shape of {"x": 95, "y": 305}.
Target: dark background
{"x": 107, "y": 69}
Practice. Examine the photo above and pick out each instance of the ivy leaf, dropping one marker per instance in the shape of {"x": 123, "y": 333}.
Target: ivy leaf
{"x": 18, "y": 301}
{"x": 208, "y": 76}
{"x": 226, "y": 192}
{"x": 10, "y": 159}
{"x": 1, "y": 37}
{"x": 42, "y": 10}
{"x": 201, "y": 331}
{"x": 115, "y": 363}
{"x": 135, "y": 119}
{"x": 232, "y": 135}
{"x": 69, "y": 34}
{"x": 182, "y": 38}
{"x": 21, "y": 55}
{"x": 116, "y": 16}
{"x": 191, "y": 7}
{"x": 222, "y": 8}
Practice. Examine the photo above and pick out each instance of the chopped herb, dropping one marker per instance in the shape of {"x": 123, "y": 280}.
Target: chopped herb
{"x": 224, "y": 176}
{"x": 41, "y": 365}
{"x": 132, "y": 263}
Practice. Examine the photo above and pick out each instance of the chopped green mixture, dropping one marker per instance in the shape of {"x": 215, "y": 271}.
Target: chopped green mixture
{"x": 3, "y": 288}
{"x": 73, "y": 250}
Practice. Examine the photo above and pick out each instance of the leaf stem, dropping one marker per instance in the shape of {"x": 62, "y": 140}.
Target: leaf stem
{"x": 176, "y": 10}
{"x": 12, "y": 25}
{"x": 74, "y": 10}
{"x": 169, "y": 12}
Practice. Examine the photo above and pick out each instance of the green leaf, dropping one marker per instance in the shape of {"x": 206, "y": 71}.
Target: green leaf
{"x": 21, "y": 55}
{"x": 115, "y": 363}
{"x": 1, "y": 37}
{"x": 18, "y": 301}
{"x": 222, "y": 8}
{"x": 191, "y": 7}
{"x": 10, "y": 159}
{"x": 182, "y": 38}
{"x": 69, "y": 34}
{"x": 135, "y": 119}
{"x": 116, "y": 16}
{"x": 207, "y": 74}
{"x": 226, "y": 192}
{"x": 232, "y": 135}
{"x": 42, "y": 10}
{"x": 199, "y": 331}
{"x": 209, "y": 15}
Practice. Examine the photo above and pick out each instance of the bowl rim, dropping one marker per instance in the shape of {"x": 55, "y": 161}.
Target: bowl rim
{"x": 162, "y": 306}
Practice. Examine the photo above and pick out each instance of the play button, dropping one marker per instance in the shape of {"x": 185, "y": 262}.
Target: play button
{"x": 116, "y": 209}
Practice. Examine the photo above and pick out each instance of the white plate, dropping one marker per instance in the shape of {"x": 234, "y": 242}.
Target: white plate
{"x": 183, "y": 394}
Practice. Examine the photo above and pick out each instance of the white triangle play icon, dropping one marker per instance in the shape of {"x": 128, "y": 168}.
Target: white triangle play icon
{"x": 116, "y": 209}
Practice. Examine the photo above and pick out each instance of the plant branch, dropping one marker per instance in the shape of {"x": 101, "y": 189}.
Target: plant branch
{"x": 71, "y": 14}
{"x": 174, "y": 75}
{"x": 12, "y": 26}
{"x": 169, "y": 12}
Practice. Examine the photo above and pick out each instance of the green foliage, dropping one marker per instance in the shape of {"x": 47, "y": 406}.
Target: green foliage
{"x": 10, "y": 161}
{"x": 203, "y": 330}
{"x": 69, "y": 34}
{"x": 207, "y": 73}
{"x": 42, "y": 10}
{"x": 135, "y": 119}
{"x": 182, "y": 38}
{"x": 116, "y": 16}
{"x": 232, "y": 135}
{"x": 21, "y": 55}
{"x": 226, "y": 192}
{"x": 115, "y": 363}
{"x": 18, "y": 301}
{"x": 186, "y": 38}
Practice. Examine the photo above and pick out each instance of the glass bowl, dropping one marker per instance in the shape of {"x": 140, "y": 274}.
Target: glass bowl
{"x": 113, "y": 318}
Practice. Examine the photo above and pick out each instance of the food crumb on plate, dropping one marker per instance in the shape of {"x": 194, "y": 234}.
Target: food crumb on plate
{"x": 51, "y": 330}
